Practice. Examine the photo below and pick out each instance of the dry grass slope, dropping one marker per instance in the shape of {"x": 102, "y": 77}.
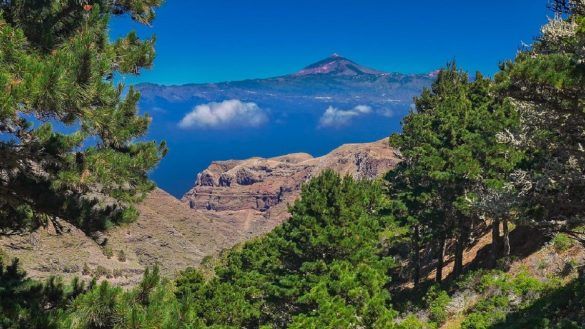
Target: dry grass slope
{"x": 174, "y": 236}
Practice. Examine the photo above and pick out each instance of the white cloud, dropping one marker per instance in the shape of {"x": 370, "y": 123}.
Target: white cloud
{"x": 386, "y": 113}
{"x": 228, "y": 113}
{"x": 334, "y": 117}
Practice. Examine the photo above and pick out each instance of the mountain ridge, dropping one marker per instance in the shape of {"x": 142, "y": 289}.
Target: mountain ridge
{"x": 305, "y": 71}
{"x": 333, "y": 80}
{"x": 267, "y": 185}
{"x": 171, "y": 233}
{"x": 337, "y": 65}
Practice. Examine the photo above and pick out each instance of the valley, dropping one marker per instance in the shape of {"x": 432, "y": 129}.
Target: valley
{"x": 214, "y": 216}
{"x": 226, "y": 185}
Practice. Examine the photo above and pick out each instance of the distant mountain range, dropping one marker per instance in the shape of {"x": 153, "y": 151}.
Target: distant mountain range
{"x": 331, "y": 102}
{"x": 333, "y": 80}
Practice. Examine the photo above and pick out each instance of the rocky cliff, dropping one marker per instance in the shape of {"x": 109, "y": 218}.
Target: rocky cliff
{"x": 232, "y": 201}
{"x": 261, "y": 184}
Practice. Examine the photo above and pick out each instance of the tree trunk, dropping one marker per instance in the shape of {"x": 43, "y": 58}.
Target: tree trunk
{"x": 416, "y": 255}
{"x": 495, "y": 241}
{"x": 458, "y": 266}
{"x": 506, "y": 238}
{"x": 460, "y": 246}
{"x": 440, "y": 258}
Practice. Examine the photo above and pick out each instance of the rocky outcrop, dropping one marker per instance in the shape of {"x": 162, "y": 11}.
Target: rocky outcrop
{"x": 232, "y": 202}
{"x": 262, "y": 184}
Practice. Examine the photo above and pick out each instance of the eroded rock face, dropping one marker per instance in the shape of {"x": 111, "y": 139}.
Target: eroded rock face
{"x": 261, "y": 184}
{"x": 233, "y": 201}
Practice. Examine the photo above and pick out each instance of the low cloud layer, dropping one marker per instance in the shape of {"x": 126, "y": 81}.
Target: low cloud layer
{"x": 334, "y": 117}
{"x": 230, "y": 113}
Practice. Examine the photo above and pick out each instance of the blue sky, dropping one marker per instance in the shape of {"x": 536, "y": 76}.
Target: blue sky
{"x": 223, "y": 40}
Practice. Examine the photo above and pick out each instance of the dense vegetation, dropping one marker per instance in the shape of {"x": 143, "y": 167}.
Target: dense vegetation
{"x": 478, "y": 155}
{"x": 57, "y": 69}
{"x": 330, "y": 266}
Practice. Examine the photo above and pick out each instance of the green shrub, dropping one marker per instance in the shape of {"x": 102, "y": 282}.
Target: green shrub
{"x": 412, "y": 322}
{"x": 437, "y": 301}
{"x": 86, "y": 270}
{"x": 487, "y": 312}
{"x": 504, "y": 294}
{"x": 477, "y": 321}
{"x": 523, "y": 284}
{"x": 494, "y": 280}
{"x": 562, "y": 242}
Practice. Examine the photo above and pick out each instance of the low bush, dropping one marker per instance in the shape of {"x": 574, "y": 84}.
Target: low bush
{"x": 562, "y": 242}
{"x": 437, "y": 301}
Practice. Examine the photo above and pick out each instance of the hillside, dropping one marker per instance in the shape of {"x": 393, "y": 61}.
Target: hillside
{"x": 540, "y": 288}
{"x": 171, "y": 234}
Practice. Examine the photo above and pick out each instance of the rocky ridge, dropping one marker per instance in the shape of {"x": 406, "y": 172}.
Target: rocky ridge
{"x": 232, "y": 202}
{"x": 262, "y": 185}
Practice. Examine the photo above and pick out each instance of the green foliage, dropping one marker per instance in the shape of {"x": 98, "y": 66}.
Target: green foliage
{"x": 503, "y": 300}
{"x": 453, "y": 163}
{"x": 121, "y": 256}
{"x": 86, "y": 270}
{"x": 560, "y": 308}
{"x": 562, "y": 242}
{"x": 101, "y": 271}
{"x": 547, "y": 84}
{"x": 108, "y": 252}
{"x": 502, "y": 294}
{"x": 57, "y": 67}
{"x": 152, "y": 304}
{"x": 322, "y": 268}
{"x": 329, "y": 265}
{"x": 437, "y": 301}
{"x": 25, "y": 303}
{"x": 412, "y": 322}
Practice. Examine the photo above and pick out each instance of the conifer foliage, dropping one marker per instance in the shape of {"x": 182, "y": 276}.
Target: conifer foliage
{"x": 547, "y": 85}
{"x": 451, "y": 157}
{"x": 476, "y": 152}
{"x": 68, "y": 132}
{"x": 324, "y": 268}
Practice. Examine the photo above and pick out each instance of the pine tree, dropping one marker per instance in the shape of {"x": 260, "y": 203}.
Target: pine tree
{"x": 414, "y": 206}
{"x": 26, "y": 303}
{"x": 324, "y": 267}
{"x": 450, "y": 150}
{"x": 68, "y": 132}
{"x": 546, "y": 82}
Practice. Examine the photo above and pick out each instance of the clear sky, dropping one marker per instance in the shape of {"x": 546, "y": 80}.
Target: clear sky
{"x": 222, "y": 40}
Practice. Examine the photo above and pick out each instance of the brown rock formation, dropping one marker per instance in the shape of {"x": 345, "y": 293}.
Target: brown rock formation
{"x": 262, "y": 184}
{"x": 233, "y": 201}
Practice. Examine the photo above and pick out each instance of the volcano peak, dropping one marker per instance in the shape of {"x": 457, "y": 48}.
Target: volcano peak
{"x": 337, "y": 65}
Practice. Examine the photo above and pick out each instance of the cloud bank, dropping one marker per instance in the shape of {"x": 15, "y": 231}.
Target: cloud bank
{"x": 230, "y": 113}
{"x": 334, "y": 117}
